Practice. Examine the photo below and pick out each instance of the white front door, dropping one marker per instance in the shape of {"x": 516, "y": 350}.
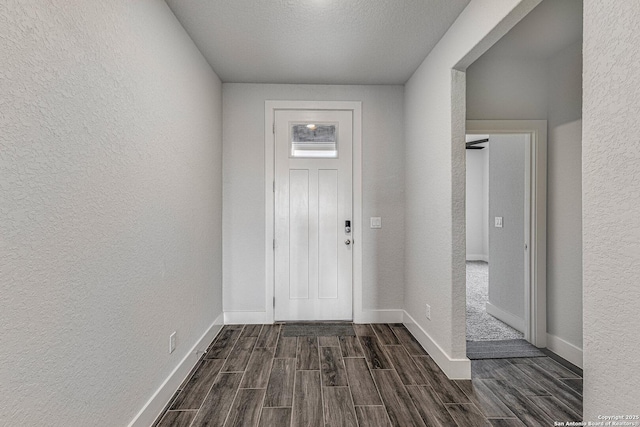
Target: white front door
{"x": 313, "y": 208}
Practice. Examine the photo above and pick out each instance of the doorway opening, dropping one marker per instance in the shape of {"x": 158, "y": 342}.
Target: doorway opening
{"x": 506, "y": 230}
{"x": 495, "y": 212}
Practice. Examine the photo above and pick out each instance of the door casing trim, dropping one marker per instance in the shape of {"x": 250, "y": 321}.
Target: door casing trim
{"x": 269, "y": 171}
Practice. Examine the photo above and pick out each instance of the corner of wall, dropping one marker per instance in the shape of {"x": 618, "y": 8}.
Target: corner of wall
{"x": 565, "y": 349}
{"x": 154, "y": 406}
{"x": 459, "y": 369}
{"x": 434, "y": 170}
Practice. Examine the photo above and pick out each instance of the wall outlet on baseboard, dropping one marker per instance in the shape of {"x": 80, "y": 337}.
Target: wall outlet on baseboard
{"x": 172, "y": 342}
{"x": 427, "y": 311}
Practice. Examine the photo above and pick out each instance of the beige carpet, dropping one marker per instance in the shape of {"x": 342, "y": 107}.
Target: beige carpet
{"x": 481, "y": 326}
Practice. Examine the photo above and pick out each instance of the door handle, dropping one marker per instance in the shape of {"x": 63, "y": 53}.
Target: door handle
{"x": 347, "y": 242}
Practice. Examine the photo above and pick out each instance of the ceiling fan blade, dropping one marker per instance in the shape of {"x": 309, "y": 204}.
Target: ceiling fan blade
{"x": 480, "y": 141}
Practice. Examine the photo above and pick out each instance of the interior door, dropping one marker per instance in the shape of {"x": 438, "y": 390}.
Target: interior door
{"x": 313, "y": 208}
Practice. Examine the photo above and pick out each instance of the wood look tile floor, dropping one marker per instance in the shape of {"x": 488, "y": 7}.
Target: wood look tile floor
{"x": 253, "y": 376}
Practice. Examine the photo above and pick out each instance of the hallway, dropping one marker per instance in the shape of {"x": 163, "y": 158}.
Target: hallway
{"x": 255, "y": 375}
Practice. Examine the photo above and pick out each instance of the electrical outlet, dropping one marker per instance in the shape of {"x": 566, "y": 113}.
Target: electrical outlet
{"x": 427, "y": 311}
{"x": 172, "y": 342}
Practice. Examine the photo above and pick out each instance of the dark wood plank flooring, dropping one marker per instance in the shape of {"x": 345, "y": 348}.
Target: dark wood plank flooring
{"x": 253, "y": 376}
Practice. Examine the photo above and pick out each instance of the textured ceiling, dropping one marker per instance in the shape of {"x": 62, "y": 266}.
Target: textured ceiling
{"x": 316, "y": 41}
{"x": 550, "y": 27}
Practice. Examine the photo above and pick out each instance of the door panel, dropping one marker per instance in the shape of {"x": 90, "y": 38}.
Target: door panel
{"x": 328, "y": 223}
{"x": 313, "y": 199}
{"x": 299, "y": 233}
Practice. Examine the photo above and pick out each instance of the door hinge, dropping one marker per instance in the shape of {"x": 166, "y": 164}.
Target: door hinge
{"x": 273, "y": 127}
{"x": 274, "y": 186}
{"x": 274, "y": 243}
{"x": 274, "y": 302}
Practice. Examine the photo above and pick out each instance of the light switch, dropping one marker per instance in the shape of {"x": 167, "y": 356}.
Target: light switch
{"x": 498, "y": 222}
{"x": 376, "y": 222}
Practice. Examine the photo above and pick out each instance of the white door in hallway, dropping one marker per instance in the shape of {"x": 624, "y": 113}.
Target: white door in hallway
{"x": 313, "y": 208}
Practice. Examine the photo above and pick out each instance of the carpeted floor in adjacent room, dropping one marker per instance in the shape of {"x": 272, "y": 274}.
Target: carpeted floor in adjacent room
{"x": 480, "y": 325}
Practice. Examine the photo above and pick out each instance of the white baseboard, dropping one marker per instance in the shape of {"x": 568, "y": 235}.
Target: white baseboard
{"x": 477, "y": 257}
{"x": 455, "y": 369}
{"x": 161, "y": 397}
{"x": 245, "y": 317}
{"x": 510, "y": 319}
{"x": 565, "y": 349}
{"x": 379, "y": 316}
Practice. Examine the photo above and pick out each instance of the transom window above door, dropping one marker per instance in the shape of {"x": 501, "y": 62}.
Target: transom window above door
{"x": 314, "y": 140}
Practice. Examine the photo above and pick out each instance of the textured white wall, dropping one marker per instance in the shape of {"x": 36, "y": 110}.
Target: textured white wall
{"x": 110, "y": 189}
{"x": 507, "y": 89}
{"x": 564, "y": 196}
{"x": 611, "y": 207}
{"x": 477, "y": 197}
{"x": 506, "y": 244}
{"x": 435, "y": 171}
{"x": 383, "y": 183}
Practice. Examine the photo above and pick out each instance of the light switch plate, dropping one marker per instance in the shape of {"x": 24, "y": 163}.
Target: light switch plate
{"x": 376, "y": 222}
{"x": 498, "y": 222}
